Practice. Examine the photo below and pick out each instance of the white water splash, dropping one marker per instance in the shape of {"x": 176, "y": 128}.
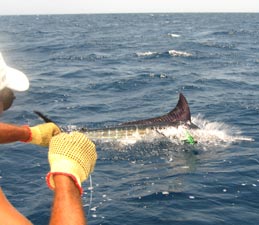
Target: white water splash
{"x": 174, "y": 35}
{"x": 146, "y": 53}
{"x": 179, "y": 53}
{"x": 216, "y": 132}
{"x": 209, "y": 133}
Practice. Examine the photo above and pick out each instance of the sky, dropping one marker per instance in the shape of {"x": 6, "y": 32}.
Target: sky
{"x": 20, "y": 7}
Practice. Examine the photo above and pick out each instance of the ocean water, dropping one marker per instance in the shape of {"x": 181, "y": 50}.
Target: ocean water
{"x": 100, "y": 70}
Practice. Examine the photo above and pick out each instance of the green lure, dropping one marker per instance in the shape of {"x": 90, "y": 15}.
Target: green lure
{"x": 189, "y": 139}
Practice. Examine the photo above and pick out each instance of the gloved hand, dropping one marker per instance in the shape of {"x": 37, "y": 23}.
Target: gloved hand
{"x": 73, "y": 155}
{"x": 42, "y": 134}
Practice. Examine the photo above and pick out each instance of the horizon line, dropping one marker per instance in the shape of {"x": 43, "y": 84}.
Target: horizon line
{"x": 99, "y": 13}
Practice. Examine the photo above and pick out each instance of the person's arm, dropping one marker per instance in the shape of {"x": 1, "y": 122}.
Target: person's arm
{"x": 72, "y": 158}
{"x": 11, "y": 133}
{"x": 10, "y": 215}
{"x": 39, "y": 135}
{"x": 67, "y": 203}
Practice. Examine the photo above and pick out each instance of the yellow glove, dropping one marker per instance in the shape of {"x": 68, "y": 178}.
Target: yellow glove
{"x": 73, "y": 155}
{"x": 42, "y": 134}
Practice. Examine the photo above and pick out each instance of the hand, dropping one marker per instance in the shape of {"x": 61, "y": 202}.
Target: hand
{"x": 73, "y": 155}
{"x": 42, "y": 134}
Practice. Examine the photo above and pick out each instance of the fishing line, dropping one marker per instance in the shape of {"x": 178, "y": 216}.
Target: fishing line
{"x": 91, "y": 194}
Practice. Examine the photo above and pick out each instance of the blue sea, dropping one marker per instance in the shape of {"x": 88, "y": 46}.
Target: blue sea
{"x": 100, "y": 70}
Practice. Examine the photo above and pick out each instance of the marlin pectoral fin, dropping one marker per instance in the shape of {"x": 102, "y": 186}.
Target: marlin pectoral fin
{"x": 181, "y": 113}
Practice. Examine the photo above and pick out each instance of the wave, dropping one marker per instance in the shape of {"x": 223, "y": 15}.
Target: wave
{"x": 179, "y": 53}
{"x": 173, "y": 53}
{"x": 174, "y": 35}
{"x": 148, "y": 53}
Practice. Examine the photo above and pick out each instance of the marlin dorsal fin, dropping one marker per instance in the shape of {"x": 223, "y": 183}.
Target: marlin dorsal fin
{"x": 180, "y": 113}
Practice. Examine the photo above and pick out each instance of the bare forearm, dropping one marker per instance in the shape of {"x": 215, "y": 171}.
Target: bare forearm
{"x": 67, "y": 205}
{"x": 9, "y": 215}
{"x": 11, "y": 133}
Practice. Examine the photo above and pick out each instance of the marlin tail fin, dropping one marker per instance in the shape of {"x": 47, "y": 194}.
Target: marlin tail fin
{"x": 181, "y": 113}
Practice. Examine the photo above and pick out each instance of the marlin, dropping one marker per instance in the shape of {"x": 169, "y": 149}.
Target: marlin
{"x": 176, "y": 124}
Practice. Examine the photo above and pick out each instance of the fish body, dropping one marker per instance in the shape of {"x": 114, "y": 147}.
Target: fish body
{"x": 134, "y": 133}
{"x": 174, "y": 124}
